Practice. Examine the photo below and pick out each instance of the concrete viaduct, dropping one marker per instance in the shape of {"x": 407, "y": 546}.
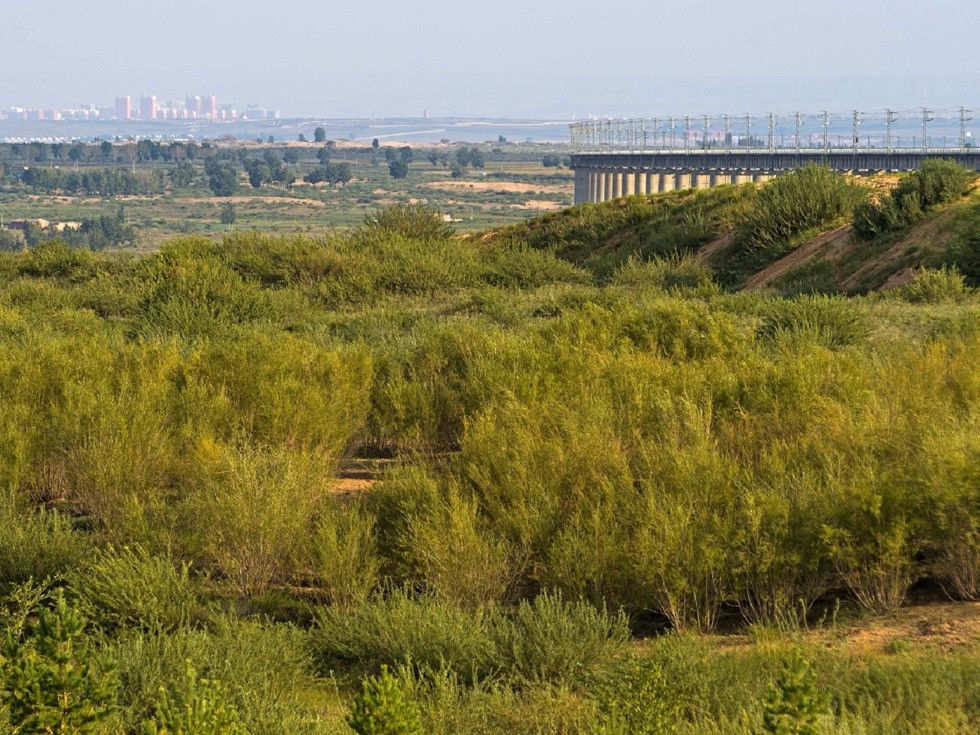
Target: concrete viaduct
{"x": 602, "y": 176}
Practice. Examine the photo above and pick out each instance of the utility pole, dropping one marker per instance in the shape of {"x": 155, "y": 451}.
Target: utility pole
{"x": 890, "y": 117}
{"x": 925, "y": 124}
{"x": 963, "y": 121}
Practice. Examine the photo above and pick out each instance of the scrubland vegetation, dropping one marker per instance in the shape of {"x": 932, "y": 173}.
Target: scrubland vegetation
{"x": 598, "y": 460}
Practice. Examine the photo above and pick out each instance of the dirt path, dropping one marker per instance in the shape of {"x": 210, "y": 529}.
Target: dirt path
{"x": 835, "y": 239}
{"x": 720, "y": 244}
{"x": 944, "y": 626}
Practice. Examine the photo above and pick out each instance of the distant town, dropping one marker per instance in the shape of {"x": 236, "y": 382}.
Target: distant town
{"x": 194, "y": 107}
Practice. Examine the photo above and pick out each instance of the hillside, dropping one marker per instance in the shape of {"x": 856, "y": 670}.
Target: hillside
{"x": 826, "y": 258}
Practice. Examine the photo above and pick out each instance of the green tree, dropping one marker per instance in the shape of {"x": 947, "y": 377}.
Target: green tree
{"x": 398, "y": 169}
{"x": 375, "y": 143}
{"x": 405, "y": 153}
{"x": 195, "y": 707}
{"x": 52, "y": 679}
{"x": 228, "y": 215}
{"x": 290, "y": 155}
{"x": 476, "y": 158}
{"x": 221, "y": 178}
{"x": 320, "y": 135}
{"x": 381, "y": 708}
{"x": 793, "y": 705}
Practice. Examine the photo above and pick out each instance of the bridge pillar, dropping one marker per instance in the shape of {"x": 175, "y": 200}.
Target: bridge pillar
{"x": 720, "y": 178}
{"x": 592, "y": 184}
{"x": 743, "y": 178}
{"x": 581, "y": 186}
{"x": 641, "y": 182}
{"x": 667, "y": 180}
{"x": 607, "y": 175}
{"x": 683, "y": 180}
{"x": 761, "y": 177}
{"x": 617, "y": 184}
{"x": 701, "y": 180}
{"x": 629, "y": 183}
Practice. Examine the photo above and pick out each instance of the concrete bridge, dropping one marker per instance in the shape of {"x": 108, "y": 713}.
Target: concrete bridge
{"x": 615, "y": 158}
{"x": 601, "y": 176}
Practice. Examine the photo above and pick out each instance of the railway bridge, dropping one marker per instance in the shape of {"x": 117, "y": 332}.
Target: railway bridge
{"x": 616, "y": 158}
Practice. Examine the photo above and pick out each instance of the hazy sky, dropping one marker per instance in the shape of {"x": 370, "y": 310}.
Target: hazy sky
{"x": 535, "y": 58}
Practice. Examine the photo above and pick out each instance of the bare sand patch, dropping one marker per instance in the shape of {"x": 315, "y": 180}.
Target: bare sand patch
{"x": 502, "y": 187}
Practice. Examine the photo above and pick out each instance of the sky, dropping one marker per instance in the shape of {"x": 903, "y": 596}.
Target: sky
{"x": 507, "y": 58}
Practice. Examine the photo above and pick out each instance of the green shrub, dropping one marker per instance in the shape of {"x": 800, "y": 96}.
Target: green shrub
{"x": 807, "y": 197}
{"x": 263, "y": 669}
{"x": 548, "y": 639}
{"x": 935, "y": 286}
{"x": 455, "y": 558}
{"x": 381, "y": 708}
{"x": 400, "y": 627}
{"x": 415, "y": 221}
{"x": 251, "y": 513}
{"x": 831, "y": 321}
{"x": 937, "y": 181}
{"x": 682, "y": 274}
{"x": 38, "y": 546}
{"x": 127, "y": 587}
{"x": 345, "y": 561}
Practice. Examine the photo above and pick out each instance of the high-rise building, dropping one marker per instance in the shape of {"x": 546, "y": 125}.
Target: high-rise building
{"x": 148, "y": 107}
{"x": 193, "y": 106}
{"x": 210, "y": 104}
{"x": 124, "y": 107}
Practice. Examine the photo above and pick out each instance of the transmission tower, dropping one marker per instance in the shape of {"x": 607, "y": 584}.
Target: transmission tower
{"x": 963, "y": 121}
{"x": 748, "y": 132}
{"x": 925, "y": 128}
{"x": 798, "y": 118}
{"x": 772, "y": 132}
{"x": 687, "y": 133}
{"x": 890, "y": 117}
{"x": 704, "y": 135}
{"x": 826, "y": 131}
{"x": 728, "y": 134}
{"x": 855, "y": 122}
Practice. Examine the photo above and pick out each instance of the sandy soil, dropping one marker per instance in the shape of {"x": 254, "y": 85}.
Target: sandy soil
{"x": 505, "y": 187}
{"x": 256, "y": 199}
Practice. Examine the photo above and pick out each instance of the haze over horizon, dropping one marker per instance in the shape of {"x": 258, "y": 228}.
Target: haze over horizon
{"x": 542, "y": 60}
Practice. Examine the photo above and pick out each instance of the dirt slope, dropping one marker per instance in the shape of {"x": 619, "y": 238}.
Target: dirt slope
{"x": 826, "y": 244}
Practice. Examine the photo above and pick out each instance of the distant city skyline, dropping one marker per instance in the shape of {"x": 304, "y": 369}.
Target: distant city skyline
{"x": 145, "y": 107}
